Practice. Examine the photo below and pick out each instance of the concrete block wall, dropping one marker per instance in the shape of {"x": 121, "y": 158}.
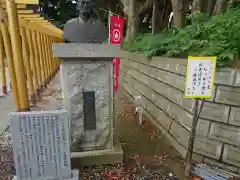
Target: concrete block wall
{"x": 161, "y": 83}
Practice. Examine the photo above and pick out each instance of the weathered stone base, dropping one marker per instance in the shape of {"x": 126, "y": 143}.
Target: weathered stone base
{"x": 98, "y": 157}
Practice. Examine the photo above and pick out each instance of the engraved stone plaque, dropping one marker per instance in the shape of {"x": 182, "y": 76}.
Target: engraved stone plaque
{"x": 89, "y": 110}
{"x": 40, "y": 143}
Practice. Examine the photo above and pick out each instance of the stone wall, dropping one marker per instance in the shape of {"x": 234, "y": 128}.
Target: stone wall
{"x": 161, "y": 83}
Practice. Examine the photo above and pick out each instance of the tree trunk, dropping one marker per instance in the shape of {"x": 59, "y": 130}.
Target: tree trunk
{"x": 178, "y": 13}
{"x": 203, "y": 6}
{"x": 210, "y": 6}
{"x": 186, "y": 4}
{"x": 196, "y": 6}
{"x": 165, "y": 15}
{"x": 159, "y": 19}
{"x": 132, "y": 21}
{"x": 154, "y": 13}
{"x": 200, "y": 6}
{"x": 221, "y": 6}
{"x": 130, "y": 9}
{"x": 125, "y": 6}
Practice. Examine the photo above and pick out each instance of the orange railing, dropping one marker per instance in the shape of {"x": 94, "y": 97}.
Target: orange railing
{"x": 26, "y": 42}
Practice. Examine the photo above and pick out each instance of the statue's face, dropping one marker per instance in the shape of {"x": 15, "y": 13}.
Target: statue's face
{"x": 85, "y": 6}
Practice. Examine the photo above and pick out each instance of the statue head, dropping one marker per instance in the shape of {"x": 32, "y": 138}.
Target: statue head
{"x": 85, "y": 8}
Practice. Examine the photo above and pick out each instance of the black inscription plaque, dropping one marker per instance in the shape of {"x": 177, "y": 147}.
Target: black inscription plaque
{"x": 89, "y": 110}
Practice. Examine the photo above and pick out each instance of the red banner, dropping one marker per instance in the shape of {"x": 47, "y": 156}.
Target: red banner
{"x": 116, "y": 30}
{"x": 116, "y": 66}
{"x": 116, "y": 37}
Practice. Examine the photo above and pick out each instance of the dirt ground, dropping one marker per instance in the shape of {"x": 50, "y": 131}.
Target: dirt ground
{"x": 147, "y": 153}
{"x": 146, "y": 142}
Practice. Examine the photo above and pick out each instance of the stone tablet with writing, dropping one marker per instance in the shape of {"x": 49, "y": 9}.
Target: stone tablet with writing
{"x": 40, "y": 143}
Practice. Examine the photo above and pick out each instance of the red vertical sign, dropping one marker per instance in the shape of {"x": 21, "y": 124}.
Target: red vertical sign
{"x": 116, "y": 37}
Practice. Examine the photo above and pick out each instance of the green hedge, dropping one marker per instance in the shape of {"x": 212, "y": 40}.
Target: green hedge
{"x": 206, "y": 36}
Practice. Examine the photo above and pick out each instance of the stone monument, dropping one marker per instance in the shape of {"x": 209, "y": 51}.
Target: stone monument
{"x": 40, "y": 142}
{"x": 87, "y": 81}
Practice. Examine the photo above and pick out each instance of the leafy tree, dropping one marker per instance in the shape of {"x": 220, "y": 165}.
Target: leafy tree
{"x": 59, "y": 10}
{"x": 63, "y": 10}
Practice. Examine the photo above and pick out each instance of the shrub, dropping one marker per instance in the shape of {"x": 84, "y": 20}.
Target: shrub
{"x": 206, "y": 36}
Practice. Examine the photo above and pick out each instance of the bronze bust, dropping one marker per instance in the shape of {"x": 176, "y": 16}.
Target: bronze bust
{"x": 86, "y": 28}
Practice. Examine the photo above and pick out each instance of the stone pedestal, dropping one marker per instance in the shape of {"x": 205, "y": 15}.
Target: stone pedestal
{"x": 88, "y": 83}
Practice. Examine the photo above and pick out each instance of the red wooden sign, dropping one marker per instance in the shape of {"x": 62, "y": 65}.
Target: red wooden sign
{"x": 116, "y": 30}
{"x": 116, "y": 37}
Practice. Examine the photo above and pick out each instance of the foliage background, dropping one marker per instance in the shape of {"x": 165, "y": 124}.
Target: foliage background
{"x": 209, "y": 30}
{"x": 206, "y": 36}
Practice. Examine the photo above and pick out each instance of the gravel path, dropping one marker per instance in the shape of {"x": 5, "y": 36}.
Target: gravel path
{"x": 6, "y": 161}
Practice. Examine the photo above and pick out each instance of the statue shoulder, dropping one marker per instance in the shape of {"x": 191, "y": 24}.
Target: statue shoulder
{"x": 69, "y": 27}
{"x": 71, "y": 21}
{"x": 100, "y": 23}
